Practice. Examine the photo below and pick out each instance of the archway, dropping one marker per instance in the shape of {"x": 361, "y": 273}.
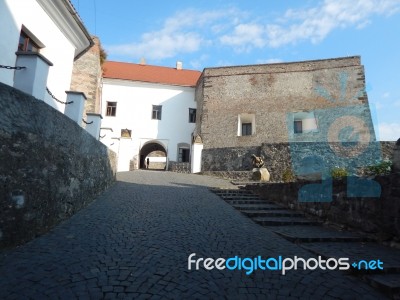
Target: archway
{"x": 156, "y": 155}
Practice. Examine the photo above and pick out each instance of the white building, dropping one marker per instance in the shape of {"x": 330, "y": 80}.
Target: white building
{"x": 146, "y": 109}
{"x": 48, "y": 36}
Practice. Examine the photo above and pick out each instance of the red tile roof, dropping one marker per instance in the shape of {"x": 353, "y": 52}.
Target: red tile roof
{"x": 147, "y": 73}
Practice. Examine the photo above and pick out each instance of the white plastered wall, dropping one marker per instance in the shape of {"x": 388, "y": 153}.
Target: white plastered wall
{"x": 134, "y": 112}
{"x": 58, "y": 49}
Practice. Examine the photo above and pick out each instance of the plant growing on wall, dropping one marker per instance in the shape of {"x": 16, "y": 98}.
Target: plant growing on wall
{"x": 338, "y": 173}
{"x": 381, "y": 168}
{"x": 103, "y": 55}
{"x": 288, "y": 176}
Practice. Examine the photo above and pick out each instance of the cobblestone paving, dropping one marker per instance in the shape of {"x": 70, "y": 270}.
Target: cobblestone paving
{"x": 133, "y": 242}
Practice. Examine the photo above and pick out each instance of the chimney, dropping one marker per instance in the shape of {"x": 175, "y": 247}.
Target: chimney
{"x": 179, "y": 65}
{"x": 142, "y": 61}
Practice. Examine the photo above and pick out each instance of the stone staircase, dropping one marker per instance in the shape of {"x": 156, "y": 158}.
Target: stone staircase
{"x": 310, "y": 234}
{"x": 262, "y": 211}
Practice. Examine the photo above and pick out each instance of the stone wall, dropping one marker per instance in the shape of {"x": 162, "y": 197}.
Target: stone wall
{"x": 283, "y": 158}
{"x": 272, "y": 93}
{"x": 86, "y": 78}
{"x": 178, "y": 167}
{"x": 234, "y": 176}
{"x": 49, "y": 167}
{"x": 396, "y": 157}
{"x": 228, "y": 159}
{"x": 379, "y": 217}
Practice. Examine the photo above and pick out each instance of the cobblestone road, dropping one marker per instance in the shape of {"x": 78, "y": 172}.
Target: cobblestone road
{"x": 133, "y": 242}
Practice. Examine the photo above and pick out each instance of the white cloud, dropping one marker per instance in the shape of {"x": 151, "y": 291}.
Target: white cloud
{"x": 312, "y": 24}
{"x": 245, "y": 36}
{"x": 191, "y": 30}
{"x": 396, "y": 103}
{"x": 269, "y": 61}
{"x": 181, "y": 33}
{"x": 199, "y": 62}
{"x": 389, "y": 131}
{"x": 386, "y": 95}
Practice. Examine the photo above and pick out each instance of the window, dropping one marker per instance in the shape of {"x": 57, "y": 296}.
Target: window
{"x": 156, "y": 114}
{"x": 304, "y": 122}
{"x": 184, "y": 155}
{"x": 246, "y": 128}
{"x": 298, "y": 126}
{"x": 246, "y": 124}
{"x": 192, "y": 115}
{"x": 26, "y": 44}
{"x": 126, "y": 133}
{"x": 111, "y": 109}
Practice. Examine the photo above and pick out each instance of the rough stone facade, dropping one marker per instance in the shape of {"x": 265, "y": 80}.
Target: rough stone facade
{"x": 49, "y": 167}
{"x": 86, "y": 78}
{"x": 178, "y": 167}
{"x": 379, "y": 217}
{"x": 270, "y": 93}
{"x": 279, "y": 157}
{"x": 396, "y": 157}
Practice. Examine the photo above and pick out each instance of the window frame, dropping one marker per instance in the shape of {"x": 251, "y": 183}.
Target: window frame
{"x": 111, "y": 110}
{"x": 29, "y": 43}
{"x": 246, "y": 118}
{"x": 296, "y": 128}
{"x": 192, "y": 115}
{"x": 181, "y": 156}
{"x": 245, "y": 129}
{"x": 156, "y": 113}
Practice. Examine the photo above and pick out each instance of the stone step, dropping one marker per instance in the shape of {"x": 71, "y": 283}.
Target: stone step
{"x": 357, "y": 251}
{"x": 388, "y": 284}
{"x": 271, "y": 213}
{"x": 283, "y": 221}
{"x": 239, "y": 197}
{"x": 245, "y": 201}
{"x": 250, "y": 197}
{"x": 230, "y": 191}
{"x": 255, "y": 207}
{"x": 311, "y": 234}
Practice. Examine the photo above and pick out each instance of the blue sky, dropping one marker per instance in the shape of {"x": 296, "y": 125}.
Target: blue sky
{"x": 219, "y": 33}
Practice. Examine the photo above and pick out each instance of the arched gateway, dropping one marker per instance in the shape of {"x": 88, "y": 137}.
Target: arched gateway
{"x": 149, "y": 147}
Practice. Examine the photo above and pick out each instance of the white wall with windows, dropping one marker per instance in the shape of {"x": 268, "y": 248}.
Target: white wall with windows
{"x": 51, "y": 27}
{"x": 152, "y": 112}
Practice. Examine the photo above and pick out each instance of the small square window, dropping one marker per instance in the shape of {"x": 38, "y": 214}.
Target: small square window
{"x": 111, "y": 109}
{"x": 246, "y": 124}
{"x": 156, "y": 113}
{"x": 298, "y": 126}
{"x": 192, "y": 115}
{"x": 246, "y": 129}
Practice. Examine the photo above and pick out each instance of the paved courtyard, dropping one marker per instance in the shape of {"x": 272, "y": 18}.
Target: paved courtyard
{"x": 133, "y": 242}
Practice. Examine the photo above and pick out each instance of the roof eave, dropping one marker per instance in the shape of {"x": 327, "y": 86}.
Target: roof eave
{"x": 153, "y": 82}
{"x": 67, "y": 20}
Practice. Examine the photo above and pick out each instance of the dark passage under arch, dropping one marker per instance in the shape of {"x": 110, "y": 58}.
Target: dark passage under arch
{"x": 147, "y": 149}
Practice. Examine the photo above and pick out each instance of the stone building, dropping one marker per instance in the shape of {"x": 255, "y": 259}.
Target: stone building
{"x": 249, "y": 105}
{"x": 282, "y": 111}
{"x": 87, "y": 77}
{"x": 241, "y": 108}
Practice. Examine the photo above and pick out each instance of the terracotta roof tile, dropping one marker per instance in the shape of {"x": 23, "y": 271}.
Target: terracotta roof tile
{"x": 148, "y": 73}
